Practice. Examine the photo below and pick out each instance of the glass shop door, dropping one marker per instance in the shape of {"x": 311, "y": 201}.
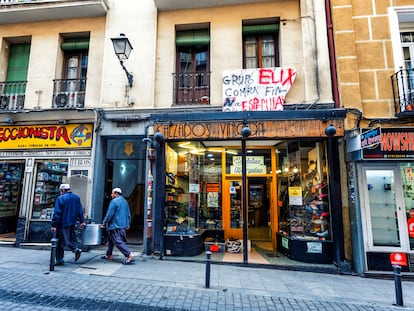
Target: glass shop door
{"x": 383, "y": 208}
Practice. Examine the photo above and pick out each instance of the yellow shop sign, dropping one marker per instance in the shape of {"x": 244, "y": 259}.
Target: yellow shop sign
{"x": 46, "y": 136}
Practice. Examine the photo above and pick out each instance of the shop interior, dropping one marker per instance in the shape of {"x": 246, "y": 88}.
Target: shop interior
{"x": 11, "y": 179}
{"x": 286, "y": 197}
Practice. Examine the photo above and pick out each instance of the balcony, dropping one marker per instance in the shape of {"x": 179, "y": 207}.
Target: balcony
{"x": 169, "y": 5}
{"x": 23, "y": 11}
{"x": 68, "y": 93}
{"x": 12, "y": 95}
{"x": 403, "y": 92}
{"x": 191, "y": 88}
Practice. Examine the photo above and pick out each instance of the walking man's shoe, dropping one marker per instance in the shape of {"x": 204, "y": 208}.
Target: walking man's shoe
{"x": 78, "y": 253}
{"x": 129, "y": 260}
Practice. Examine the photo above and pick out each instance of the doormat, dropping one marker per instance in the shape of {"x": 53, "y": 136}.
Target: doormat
{"x": 272, "y": 255}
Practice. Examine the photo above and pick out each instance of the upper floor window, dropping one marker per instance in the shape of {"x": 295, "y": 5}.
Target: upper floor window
{"x": 192, "y": 77}
{"x": 407, "y": 42}
{"x": 13, "y": 90}
{"x": 69, "y": 90}
{"x": 260, "y": 45}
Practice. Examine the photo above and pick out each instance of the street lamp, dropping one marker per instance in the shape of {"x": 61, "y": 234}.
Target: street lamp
{"x": 123, "y": 48}
{"x": 245, "y": 132}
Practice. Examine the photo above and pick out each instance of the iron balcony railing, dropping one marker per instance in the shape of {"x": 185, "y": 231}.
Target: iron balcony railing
{"x": 403, "y": 92}
{"x": 68, "y": 93}
{"x": 191, "y": 88}
{"x": 12, "y": 95}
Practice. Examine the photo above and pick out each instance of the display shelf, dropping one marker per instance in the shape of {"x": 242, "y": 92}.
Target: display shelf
{"x": 49, "y": 176}
{"x": 10, "y": 187}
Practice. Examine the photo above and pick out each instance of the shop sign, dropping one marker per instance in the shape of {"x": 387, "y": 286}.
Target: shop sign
{"x": 295, "y": 196}
{"x": 212, "y": 187}
{"x": 194, "y": 188}
{"x": 398, "y": 259}
{"x": 314, "y": 247}
{"x": 46, "y": 136}
{"x": 371, "y": 138}
{"x": 260, "y": 129}
{"x": 393, "y": 144}
{"x": 256, "y": 89}
{"x": 254, "y": 165}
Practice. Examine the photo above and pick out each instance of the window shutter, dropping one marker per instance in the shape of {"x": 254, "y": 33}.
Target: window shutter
{"x": 75, "y": 45}
{"x": 260, "y": 29}
{"x": 192, "y": 37}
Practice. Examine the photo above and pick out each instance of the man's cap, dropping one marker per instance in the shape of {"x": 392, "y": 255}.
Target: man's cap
{"x": 117, "y": 190}
{"x": 64, "y": 187}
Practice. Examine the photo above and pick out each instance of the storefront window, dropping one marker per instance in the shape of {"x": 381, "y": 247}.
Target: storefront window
{"x": 303, "y": 205}
{"x": 236, "y": 215}
{"x": 50, "y": 174}
{"x": 193, "y": 187}
{"x": 10, "y": 188}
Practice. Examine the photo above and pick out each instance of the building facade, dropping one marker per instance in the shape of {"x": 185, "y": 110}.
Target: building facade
{"x": 223, "y": 122}
{"x": 374, "y": 55}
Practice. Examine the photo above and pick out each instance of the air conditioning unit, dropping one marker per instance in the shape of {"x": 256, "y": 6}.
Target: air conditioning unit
{"x": 4, "y": 102}
{"x": 16, "y": 102}
{"x": 66, "y": 100}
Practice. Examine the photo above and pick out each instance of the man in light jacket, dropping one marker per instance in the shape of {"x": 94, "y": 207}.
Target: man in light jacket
{"x": 116, "y": 222}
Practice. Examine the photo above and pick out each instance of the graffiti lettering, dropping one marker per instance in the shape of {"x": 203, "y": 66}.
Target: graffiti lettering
{"x": 256, "y": 89}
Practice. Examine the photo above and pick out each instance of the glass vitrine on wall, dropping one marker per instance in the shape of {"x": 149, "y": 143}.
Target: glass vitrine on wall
{"x": 50, "y": 174}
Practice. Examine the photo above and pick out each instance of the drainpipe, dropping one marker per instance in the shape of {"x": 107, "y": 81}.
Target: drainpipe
{"x": 332, "y": 58}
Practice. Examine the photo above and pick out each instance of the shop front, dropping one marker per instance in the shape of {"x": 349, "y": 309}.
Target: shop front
{"x": 270, "y": 188}
{"x": 120, "y": 161}
{"x": 34, "y": 161}
{"x": 382, "y": 172}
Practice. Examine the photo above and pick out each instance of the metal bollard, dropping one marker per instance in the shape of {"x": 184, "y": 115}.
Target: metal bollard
{"x": 53, "y": 241}
{"x": 208, "y": 262}
{"x": 398, "y": 287}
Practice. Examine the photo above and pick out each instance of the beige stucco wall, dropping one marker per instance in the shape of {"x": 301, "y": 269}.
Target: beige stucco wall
{"x": 106, "y": 81}
{"x": 45, "y": 63}
{"x": 226, "y": 47}
{"x": 137, "y": 20}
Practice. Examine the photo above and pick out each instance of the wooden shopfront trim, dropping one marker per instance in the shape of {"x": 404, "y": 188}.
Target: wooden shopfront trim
{"x": 261, "y": 129}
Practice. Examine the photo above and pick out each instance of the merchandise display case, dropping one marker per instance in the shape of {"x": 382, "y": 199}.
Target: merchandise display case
{"x": 10, "y": 188}
{"x": 305, "y": 232}
{"x": 50, "y": 175}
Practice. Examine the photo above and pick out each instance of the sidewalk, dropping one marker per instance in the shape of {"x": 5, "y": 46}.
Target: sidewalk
{"x": 174, "y": 285}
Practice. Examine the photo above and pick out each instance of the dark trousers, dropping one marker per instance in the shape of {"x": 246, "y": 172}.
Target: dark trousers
{"x": 117, "y": 237}
{"x": 66, "y": 238}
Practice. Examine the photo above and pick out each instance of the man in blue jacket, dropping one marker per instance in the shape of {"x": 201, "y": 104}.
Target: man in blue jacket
{"x": 116, "y": 222}
{"x": 68, "y": 210}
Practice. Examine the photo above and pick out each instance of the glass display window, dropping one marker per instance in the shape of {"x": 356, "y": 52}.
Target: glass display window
{"x": 193, "y": 187}
{"x": 49, "y": 175}
{"x": 303, "y": 202}
{"x": 11, "y": 174}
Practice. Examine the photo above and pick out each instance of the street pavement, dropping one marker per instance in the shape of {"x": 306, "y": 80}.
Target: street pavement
{"x": 152, "y": 284}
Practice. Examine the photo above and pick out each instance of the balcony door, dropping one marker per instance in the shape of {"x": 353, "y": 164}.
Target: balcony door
{"x": 69, "y": 91}
{"x": 192, "y": 78}
{"x": 12, "y": 93}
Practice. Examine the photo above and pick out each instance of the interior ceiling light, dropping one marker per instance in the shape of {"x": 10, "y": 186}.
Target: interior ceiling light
{"x": 232, "y": 151}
